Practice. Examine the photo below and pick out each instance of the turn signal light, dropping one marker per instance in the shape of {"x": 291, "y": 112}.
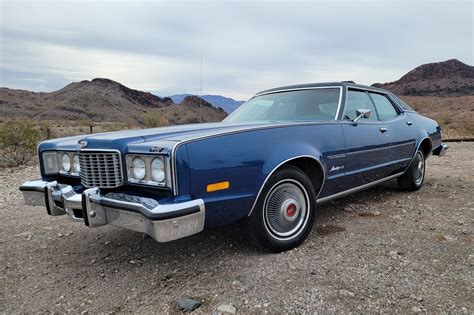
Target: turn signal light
{"x": 218, "y": 186}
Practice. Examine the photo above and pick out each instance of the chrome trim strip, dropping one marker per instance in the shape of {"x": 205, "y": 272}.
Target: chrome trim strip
{"x": 419, "y": 145}
{"x": 298, "y": 89}
{"x": 404, "y": 144}
{"x": 368, "y": 150}
{"x": 339, "y": 104}
{"x": 355, "y": 189}
{"x": 275, "y": 168}
{"x": 336, "y": 156}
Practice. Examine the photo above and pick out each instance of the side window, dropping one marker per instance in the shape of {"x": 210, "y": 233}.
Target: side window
{"x": 384, "y": 107}
{"x": 358, "y": 100}
{"x": 400, "y": 102}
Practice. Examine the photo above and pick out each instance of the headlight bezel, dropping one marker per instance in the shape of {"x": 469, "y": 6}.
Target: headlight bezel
{"x": 148, "y": 179}
{"x": 55, "y": 163}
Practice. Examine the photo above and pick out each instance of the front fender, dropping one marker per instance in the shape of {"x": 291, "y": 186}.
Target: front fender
{"x": 247, "y": 159}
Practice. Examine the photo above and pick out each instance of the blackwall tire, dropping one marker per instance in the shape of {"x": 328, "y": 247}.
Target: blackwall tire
{"x": 414, "y": 176}
{"x": 284, "y": 213}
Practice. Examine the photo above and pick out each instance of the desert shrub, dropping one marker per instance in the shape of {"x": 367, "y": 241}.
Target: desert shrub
{"x": 114, "y": 127}
{"x": 154, "y": 120}
{"x": 45, "y": 128}
{"x": 18, "y": 140}
{"x": 151, "y": 120}
{"x": 86, "y": 122}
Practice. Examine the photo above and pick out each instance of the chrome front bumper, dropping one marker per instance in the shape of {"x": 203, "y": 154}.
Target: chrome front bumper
{"x": 163, "y": 222}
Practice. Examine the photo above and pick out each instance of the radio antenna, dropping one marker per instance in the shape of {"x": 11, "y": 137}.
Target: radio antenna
{"x": 201, "y": 75}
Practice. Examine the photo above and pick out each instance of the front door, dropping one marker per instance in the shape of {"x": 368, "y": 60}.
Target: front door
{"x": 367, "y": 142}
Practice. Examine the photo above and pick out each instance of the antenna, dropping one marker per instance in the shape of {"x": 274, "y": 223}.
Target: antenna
{"x": 201, "y": 75}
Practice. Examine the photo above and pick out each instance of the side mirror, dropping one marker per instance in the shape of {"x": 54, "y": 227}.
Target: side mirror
{"x": 362, "y": 113}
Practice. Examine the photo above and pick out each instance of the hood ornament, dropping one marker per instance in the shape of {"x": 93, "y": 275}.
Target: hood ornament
{"x": 82, "y": 143}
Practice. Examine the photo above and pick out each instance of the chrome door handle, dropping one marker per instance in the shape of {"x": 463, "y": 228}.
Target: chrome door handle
{"x": 409, "y": 123}
{"x": 383, "y": 129}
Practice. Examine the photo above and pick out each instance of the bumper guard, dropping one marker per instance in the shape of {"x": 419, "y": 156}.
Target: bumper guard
{"x": 163, "y": 222}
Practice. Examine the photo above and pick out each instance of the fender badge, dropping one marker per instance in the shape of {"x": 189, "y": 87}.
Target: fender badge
{"x": 82, "y": 143}
{"x": 156, "y": 149}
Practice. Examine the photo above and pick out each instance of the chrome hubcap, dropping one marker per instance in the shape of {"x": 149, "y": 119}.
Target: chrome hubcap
{"x": 286, "y": 209}
{"x": 420, "y": 169}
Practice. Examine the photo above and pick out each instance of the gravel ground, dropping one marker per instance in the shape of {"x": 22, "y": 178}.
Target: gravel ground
{"x": 380, "y": 251}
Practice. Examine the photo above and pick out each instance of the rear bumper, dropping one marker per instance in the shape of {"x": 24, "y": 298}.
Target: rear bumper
{"x": 440, "y": 150}
{"x": 163, "y": 222}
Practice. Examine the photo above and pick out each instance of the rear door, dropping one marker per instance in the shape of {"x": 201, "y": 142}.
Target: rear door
{"x": 367, "y": 143}
{"x": 400, "y": 129}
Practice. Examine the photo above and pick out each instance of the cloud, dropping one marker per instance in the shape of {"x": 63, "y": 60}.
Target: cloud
{"x": 246, "y": 46}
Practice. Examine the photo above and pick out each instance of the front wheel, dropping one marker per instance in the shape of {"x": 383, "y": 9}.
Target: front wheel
{"x": 284, "y": 213}
{"x": 414, "y": 176}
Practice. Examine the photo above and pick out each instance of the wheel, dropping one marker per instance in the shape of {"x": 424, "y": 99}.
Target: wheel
{"x": 414, "y": 176}
{"x": 284, "y": 213}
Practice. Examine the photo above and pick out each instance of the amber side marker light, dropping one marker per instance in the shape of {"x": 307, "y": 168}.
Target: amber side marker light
{"x": 218, "y": 186}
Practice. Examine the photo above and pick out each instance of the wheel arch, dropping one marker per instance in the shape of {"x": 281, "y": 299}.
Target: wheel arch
{"x": 426, "y": 146}
{"x": 309, "y": 164}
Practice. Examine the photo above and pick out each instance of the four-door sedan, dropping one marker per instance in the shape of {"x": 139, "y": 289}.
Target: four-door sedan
{"x": 269, "y": 164}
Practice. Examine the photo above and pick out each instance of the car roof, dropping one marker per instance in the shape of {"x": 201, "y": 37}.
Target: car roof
{"x": 321, "y": 85}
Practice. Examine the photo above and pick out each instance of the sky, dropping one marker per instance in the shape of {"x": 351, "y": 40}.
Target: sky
{"x": 246, "y": 46}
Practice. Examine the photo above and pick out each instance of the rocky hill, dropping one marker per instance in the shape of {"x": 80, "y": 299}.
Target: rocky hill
{"x": 447, "y": 78}
{"x": 228, "y": 104}
{"x": 102, "y": 100}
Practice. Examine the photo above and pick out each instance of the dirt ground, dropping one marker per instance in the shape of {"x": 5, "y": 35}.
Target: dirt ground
{"x": 382, "y": 250}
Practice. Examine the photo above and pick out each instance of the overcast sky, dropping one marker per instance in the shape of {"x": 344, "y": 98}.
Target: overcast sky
{"x": 246, "y": 46}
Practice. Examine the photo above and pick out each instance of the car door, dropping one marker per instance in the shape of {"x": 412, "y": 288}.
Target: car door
{"x": 367, "y": 143}
{"x": 401, "y": 131}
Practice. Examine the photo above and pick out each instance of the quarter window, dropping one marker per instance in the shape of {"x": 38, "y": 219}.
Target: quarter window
{"x": 358, "y": 100}
{"x": 384, "y": 107}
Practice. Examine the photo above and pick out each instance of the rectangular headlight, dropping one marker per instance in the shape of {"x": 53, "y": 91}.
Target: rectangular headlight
{"x": 50, "y": 163}
{"x": 152, "y": 170}
{"x": 61, "y": 162}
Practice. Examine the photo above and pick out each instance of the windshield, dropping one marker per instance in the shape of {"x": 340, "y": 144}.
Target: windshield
{"x": 302, "y": 105}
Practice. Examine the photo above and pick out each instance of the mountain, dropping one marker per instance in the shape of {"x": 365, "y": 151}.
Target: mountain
{"x": 447, "y": 78}
{"x": 226, "y": 103}
{"x": 102, "y": 100}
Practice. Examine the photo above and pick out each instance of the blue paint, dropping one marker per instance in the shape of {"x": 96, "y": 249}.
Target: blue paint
{"x": 246, "y": 153}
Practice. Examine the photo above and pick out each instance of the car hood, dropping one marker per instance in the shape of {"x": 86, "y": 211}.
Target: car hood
{"x": 163, "y": 136}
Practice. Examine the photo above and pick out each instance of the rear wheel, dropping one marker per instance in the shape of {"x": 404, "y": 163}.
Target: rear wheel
{"x": 284, "y": 213}
{"x": 414, "y": 176}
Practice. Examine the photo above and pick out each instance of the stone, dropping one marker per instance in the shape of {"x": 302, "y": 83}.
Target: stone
{"x": 393, "y": 253}
{"x": 449, "y": 238}
{"x": 226, "y": 309}
{"x": 187, "y": 304}
{"x": 416, "y": 309}
{"x": 344, "y": 292}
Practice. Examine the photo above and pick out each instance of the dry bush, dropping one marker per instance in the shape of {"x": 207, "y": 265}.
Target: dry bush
{"x": 153, "y": 120}
{"x": 18, "y": 140}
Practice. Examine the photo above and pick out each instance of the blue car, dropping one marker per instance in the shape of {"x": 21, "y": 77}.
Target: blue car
{"x": 269, "y": 164}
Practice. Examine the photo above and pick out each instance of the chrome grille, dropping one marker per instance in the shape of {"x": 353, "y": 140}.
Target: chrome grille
{"x": 101, "y": 169}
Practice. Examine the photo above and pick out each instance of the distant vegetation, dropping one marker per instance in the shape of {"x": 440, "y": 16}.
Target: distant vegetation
{"x": 153, "y": 120}
{"x": 18, "y": 140}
